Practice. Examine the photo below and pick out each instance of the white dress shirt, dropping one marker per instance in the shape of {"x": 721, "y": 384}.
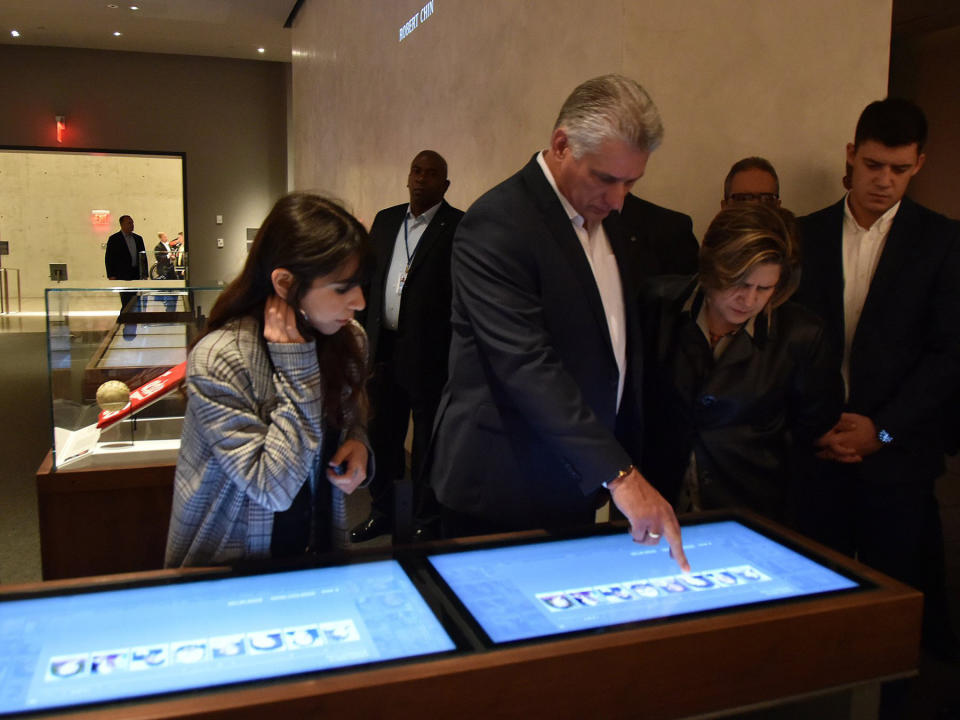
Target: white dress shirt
{"x": 404, "y": 249}
{"x": 132, "y": 248}
{"x": 861, "y": 253}
{"x": 606, "y": 273}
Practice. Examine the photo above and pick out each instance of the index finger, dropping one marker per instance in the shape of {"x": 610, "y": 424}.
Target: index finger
{"x": 671, "y": 531}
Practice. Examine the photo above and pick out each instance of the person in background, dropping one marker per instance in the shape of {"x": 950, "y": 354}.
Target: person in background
{"x": 408, "y": 323}
{"x": 161, "y": 254}
{"x": 125, "y": 257}
{"x": 884, "y": 274}
{"x": 179, "y": 256}
{"x": 751, "y": 179}
{"x": 739, "y": 383}
{"x": 276, "y": 405}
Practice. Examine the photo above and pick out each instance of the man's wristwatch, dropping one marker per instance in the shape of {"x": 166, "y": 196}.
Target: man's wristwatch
{"x": 619, "y": 476}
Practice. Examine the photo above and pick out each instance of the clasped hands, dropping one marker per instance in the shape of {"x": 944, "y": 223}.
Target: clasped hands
{"x": 853, "y": 438}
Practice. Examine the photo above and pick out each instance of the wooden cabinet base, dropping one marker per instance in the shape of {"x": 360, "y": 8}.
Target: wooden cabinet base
{"x": 102, "y": 521}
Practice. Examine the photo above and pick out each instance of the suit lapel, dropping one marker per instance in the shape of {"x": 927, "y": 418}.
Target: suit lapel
{"x": 825, "y": 246}
{"x": 430, "y": 236}
{"x": 383, "y": 247}
{"x": 561, "y": 230}
{"x": 895, "y": 257}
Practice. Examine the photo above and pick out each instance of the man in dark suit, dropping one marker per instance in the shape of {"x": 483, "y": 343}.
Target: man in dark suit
{"x": 542, "y": 407}
{"x": 660, "y": 240}
{"x": 125, "y": 257}
{"x": 408, "y": 325}
{"x": 884, "y": 274}
{"x": 161, "y": 253}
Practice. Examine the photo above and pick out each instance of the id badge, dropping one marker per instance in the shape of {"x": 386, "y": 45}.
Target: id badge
{"x": 400, "y": 282}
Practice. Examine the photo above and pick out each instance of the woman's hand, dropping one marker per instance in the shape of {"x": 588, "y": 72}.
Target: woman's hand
{"x": 353, "y": 456}
{"x": 280, "y": 322}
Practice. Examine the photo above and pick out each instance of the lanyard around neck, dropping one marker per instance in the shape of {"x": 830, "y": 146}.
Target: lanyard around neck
{"x": 406, "y": 241}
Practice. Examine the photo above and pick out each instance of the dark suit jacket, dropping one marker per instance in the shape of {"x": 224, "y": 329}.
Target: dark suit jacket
{"x": 164, "y": 261}
{"x": 661, "y": 241}
{"x": 117, "y": 258}
{"x": 740, "y": 411}
{"x": 905, "y": 357}
{"x": 528, "y": 427}
{"x": 423, "y": 340}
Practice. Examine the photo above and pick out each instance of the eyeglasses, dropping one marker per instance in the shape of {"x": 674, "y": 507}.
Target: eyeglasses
{"x": 767, "y": 198}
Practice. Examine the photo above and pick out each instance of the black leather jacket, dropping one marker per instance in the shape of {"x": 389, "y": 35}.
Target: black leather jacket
{"x": 751, "y": 415}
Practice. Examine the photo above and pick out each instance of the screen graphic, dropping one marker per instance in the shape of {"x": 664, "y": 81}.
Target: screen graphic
{"x": 549, "y": 588}
{"x": 117, "y": 644}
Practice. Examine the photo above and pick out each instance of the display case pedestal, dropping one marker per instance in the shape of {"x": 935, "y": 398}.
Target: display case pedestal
{"x": 98, "y": 521}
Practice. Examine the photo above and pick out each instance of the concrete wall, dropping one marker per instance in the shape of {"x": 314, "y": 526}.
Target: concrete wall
{"x": 481, "y": 82}
{"x": 228, "y": 116}
{"x": 55, "y": 193}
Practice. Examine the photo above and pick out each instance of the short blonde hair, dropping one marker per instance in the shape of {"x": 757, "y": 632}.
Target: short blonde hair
{"x": 741, "y": 238}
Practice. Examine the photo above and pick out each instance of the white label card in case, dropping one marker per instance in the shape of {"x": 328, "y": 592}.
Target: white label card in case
{"x": 400, "y": 281}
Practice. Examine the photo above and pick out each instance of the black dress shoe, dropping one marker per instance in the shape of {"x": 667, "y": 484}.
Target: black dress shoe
{"x": 374, "y": 526}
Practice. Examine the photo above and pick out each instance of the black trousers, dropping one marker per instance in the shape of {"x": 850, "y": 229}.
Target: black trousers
{"x": 893, "y": 528}
{"x": 392, "y": 406}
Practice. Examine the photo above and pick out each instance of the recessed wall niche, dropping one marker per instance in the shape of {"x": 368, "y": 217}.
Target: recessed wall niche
{"x": 60, "y": 206}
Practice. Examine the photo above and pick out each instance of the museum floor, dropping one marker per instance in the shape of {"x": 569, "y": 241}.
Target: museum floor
{"x": 24, "y": 409}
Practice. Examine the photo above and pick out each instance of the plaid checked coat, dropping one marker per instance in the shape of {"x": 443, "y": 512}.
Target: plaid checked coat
{"x": 252, "y": 436}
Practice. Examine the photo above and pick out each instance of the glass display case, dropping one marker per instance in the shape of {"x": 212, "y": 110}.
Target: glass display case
{"x": 120, "y": 335}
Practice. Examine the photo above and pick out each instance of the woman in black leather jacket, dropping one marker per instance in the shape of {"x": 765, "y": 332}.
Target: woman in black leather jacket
{"x": 739, "y": 382}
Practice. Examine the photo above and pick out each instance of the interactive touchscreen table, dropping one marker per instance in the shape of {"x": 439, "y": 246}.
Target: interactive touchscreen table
{"x": 511, "y": 625}
{"x": 548, "y": 588}
{"x": 92, "y": 647}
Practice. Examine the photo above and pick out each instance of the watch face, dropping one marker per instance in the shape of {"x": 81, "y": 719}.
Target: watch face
{"x": 884, "y": 437}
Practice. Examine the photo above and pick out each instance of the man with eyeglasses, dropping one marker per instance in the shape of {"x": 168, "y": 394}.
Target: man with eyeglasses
{"x": 751, "y": 180}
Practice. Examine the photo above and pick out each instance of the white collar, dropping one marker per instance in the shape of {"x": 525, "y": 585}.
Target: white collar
{"x": 575, "y": 217}
{"x": 426, "y": 216}
{"x": 882, "y": 223}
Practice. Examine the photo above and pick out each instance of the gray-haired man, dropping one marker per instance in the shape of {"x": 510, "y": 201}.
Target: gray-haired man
{"x": 542, "y": 407}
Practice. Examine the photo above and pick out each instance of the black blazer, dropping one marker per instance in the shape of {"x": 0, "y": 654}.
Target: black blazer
{"x": 117, "y": 258}
{"x": 423, "y": 340}
{"x": 528, "y": 426}
{"x": 905, "y": 357}
{"x": 661, "y": 241}
{"x": 740, "y": 411}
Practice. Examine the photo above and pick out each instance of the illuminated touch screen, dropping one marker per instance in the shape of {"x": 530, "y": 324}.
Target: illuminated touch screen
{"x": 117, "y": 644}
{"x": 549, "y": 588}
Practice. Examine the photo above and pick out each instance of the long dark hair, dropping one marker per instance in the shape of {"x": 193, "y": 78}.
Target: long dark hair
{"x": 310, "y": 236}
